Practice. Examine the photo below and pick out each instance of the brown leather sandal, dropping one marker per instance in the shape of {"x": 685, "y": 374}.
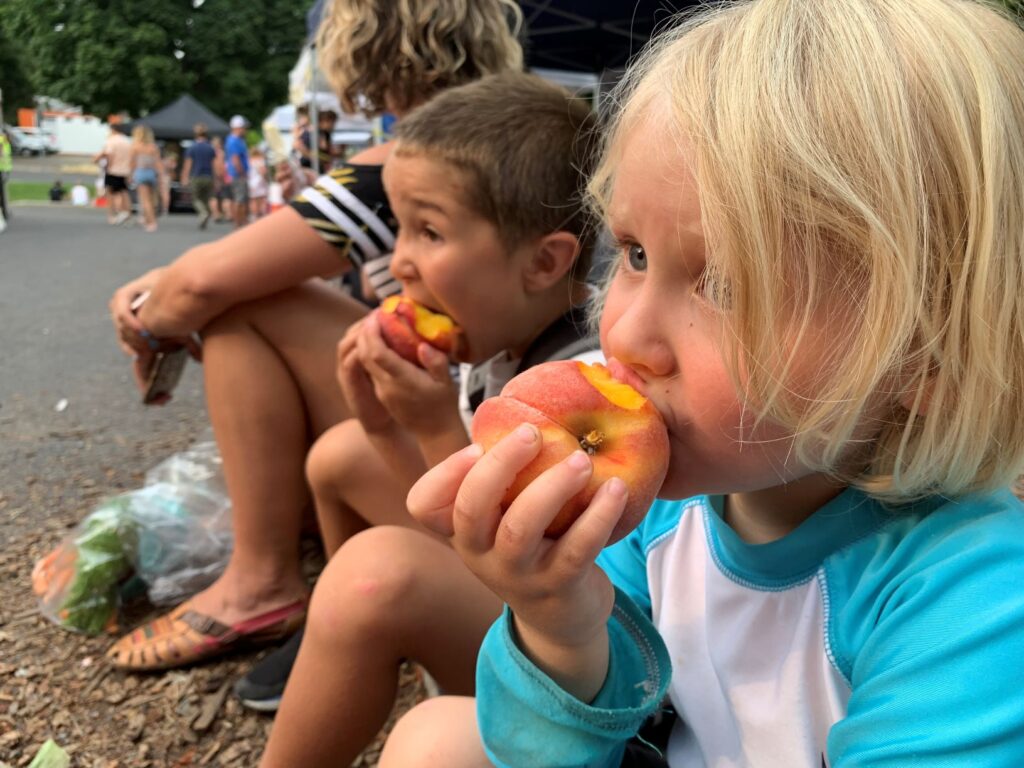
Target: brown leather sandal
{"x": 185, "y": 637}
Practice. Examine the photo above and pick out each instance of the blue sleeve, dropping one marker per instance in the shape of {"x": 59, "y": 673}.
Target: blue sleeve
{"x": 526, "y": 719}
{"x": 931, "y": 640}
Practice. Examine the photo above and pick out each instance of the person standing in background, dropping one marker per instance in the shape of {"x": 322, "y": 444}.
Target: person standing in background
{"x": 117, "y": 151}
{"x": 257, "y": 184}
{"x": 220, "y": 203}
{"x": 236, "y": 158}
{"x": 197, "y": 172}
{"x": 169, "y": 160}
{"x": 147, "y": 173}
{"x": 5, "y": 170}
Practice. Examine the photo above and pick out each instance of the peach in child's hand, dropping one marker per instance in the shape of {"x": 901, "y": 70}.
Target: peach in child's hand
{"x": 405, "y": 325}
{"x": 575, "y": 406}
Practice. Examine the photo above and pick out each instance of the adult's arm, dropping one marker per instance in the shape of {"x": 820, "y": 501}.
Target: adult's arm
{"x": 270, "y": 255}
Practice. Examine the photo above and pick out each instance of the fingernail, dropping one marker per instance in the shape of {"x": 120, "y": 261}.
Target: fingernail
{"x": 615, "y": 488}
{"x": 527, "y": 433}
{"x": 579, "y": 461}
{"x": 474, "y": 451}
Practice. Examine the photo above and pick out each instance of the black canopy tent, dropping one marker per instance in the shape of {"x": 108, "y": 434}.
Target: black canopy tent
{"x": 175, "y": 121}
{"x": 592, "y": 35}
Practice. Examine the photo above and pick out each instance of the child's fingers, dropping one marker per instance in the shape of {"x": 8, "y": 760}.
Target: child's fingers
{"x": 522, "y": 527}
{"x": 579, "y": 547}
{"x": 434, "y": 362}
{"x": 432, "y": 499}
{"x": 348, "y": 342}
{"x": 478, "y": 503}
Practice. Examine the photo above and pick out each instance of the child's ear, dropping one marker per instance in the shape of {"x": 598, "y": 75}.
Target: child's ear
{"x": 552, "y": 259}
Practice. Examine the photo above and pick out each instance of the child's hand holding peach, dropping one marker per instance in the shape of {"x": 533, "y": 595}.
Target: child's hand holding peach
{"x": 420, "y": 397}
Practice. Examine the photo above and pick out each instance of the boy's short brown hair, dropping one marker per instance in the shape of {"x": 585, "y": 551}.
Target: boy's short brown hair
{"x": 526, "y": 147}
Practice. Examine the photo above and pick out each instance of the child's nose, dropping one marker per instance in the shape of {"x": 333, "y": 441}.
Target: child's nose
{"x": 402, "y": 267}
{"x": 634, "y": 339}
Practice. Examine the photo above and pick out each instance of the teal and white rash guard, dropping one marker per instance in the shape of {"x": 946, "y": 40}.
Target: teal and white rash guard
{"x": 867, "y": 637}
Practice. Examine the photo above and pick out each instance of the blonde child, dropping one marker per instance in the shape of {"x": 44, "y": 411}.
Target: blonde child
{"x": 492, "y": 232}
{"x": 820, "y": 206}
{"x": 257, "y": 181}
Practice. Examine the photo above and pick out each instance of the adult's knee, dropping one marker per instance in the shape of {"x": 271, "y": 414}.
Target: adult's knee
{"x": 366, "y": 587}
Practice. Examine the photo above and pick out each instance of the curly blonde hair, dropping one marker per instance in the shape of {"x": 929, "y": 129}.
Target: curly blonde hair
{"x": 869, "y": 149}
{"x": 395, "y": 54}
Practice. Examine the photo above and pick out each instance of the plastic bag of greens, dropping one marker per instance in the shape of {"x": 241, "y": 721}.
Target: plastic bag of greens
{"x": 77, "y": 583}
{"x": 174, "y": 534}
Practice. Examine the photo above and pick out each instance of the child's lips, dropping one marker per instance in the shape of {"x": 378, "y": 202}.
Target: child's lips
{"x": 625, "y": 374}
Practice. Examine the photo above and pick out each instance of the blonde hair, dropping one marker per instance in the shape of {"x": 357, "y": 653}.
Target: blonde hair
{"x": 142, "y": 134}
{"x": 868, "y": 149}
{"x": 394, "y": 54}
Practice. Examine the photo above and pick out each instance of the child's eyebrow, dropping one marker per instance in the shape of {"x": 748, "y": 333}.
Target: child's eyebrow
{"x": 428, "y": 204}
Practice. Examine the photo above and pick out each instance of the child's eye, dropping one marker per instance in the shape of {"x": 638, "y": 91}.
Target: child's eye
{"x": 431, "y": 234}
{"x": 636, "y": 257}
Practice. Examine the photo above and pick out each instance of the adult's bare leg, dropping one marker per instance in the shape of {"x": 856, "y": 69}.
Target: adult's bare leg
{"x": 270, "y": 389}
{"x": 441, "y": 731}
{"x": 388, "y": 594}
{"x": 146, "y": 202}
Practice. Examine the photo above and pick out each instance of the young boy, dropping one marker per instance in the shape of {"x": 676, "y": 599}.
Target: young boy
{"x": 486, "y": 182}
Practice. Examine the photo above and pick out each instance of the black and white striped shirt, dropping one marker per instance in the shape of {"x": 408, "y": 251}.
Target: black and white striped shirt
{"x": 348, "y": 208}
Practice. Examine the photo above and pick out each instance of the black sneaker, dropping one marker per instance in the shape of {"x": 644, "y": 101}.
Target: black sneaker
{"x": 263, "y": 687}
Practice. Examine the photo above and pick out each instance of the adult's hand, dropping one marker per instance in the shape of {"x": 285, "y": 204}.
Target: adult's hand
{"x": 132, "y": 336}
{"x": 130, "y": 332}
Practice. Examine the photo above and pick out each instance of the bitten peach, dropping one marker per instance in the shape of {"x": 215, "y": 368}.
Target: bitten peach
{"x": 574, "y": 406}
{"x": 405, "y": 324}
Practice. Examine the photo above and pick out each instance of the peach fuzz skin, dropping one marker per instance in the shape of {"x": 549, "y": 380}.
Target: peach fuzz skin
{"x": 405, "y": 325}
{"x": 574, "y": 406}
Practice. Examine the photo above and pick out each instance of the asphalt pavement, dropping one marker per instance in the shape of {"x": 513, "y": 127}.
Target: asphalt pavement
{"x": 70, "y": 416}
{"x": 70, "y": 169}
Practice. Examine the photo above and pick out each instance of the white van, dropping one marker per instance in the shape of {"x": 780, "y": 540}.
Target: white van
{"x": 33, "y": 141}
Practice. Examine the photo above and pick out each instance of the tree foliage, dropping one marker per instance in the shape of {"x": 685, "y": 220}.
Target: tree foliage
{"x": 124, "y": 55}
{"x": 17, "y": 90}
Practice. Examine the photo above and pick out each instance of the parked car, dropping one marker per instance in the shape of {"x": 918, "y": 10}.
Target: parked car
{"x": 25, "y": 143}
{"x": 49, "y": 140}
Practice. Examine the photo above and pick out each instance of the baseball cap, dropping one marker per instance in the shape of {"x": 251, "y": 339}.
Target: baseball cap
{"x": 238, "y": 122}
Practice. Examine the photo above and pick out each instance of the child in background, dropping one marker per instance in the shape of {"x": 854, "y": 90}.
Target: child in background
{"x": 820, "y": 211}
{"x": 492, "y": 234}
{"x": 257, "y": 184}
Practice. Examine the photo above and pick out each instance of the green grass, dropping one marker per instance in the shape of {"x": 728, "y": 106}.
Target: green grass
{"x": 28, "y": 190}
{"x": 38, "y": 190}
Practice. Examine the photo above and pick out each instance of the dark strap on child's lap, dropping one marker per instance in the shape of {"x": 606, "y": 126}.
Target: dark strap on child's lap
{"x": 564, "y": 339}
